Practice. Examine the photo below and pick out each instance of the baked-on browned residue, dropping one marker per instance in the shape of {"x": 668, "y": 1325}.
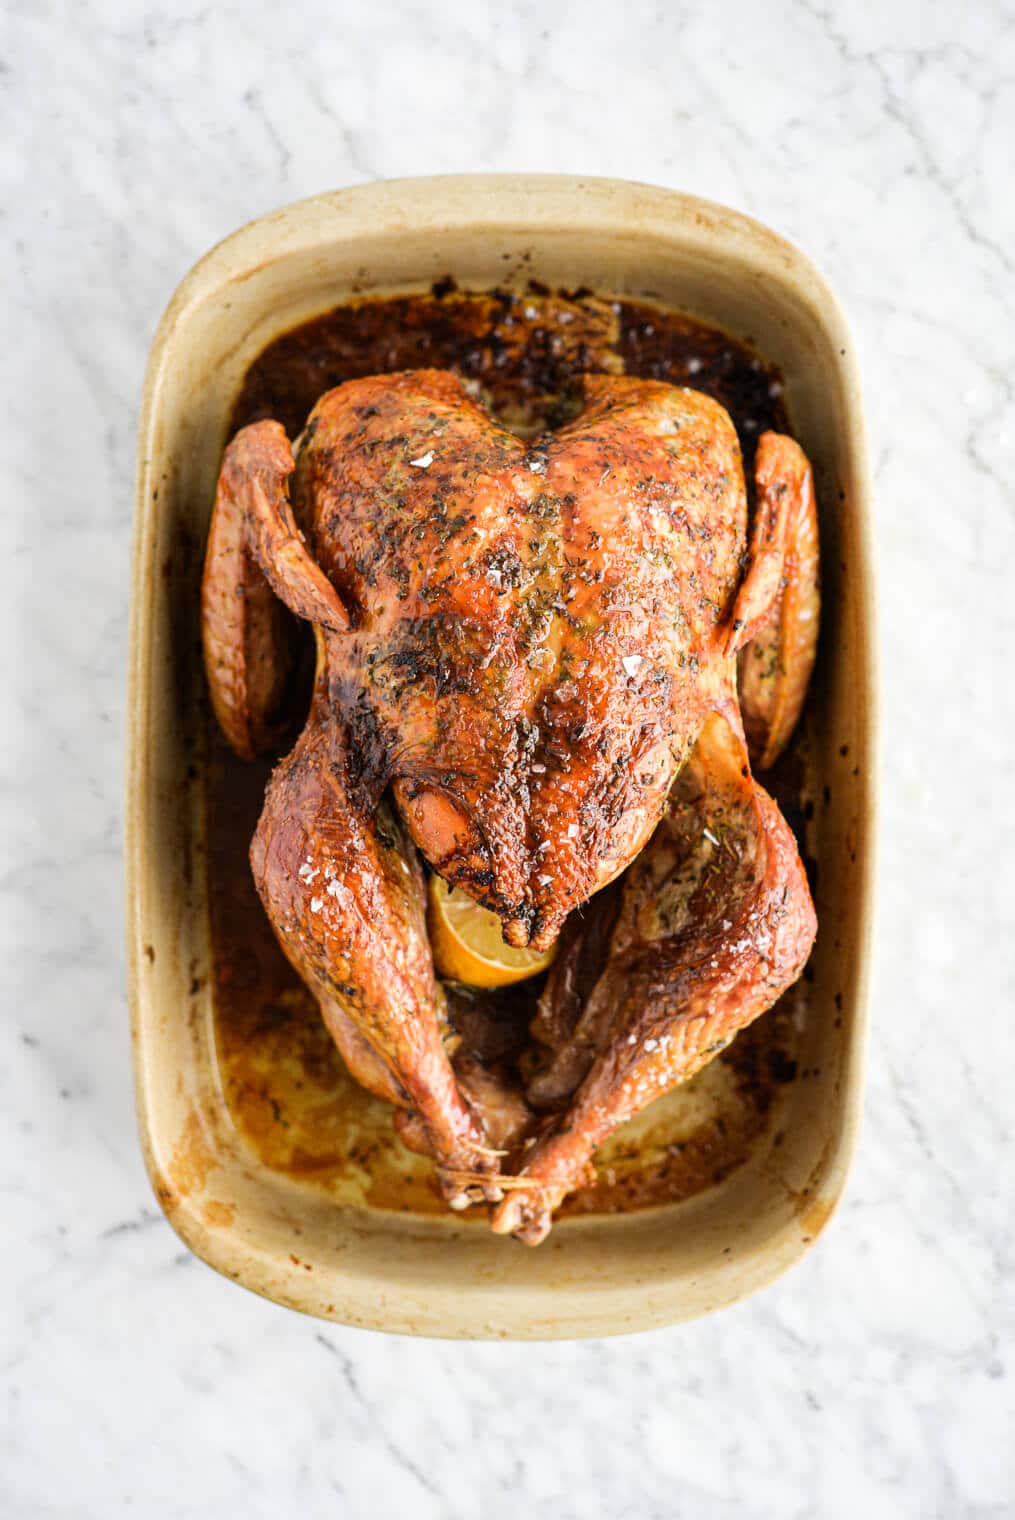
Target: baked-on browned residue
{"x": 285, "y": 1083}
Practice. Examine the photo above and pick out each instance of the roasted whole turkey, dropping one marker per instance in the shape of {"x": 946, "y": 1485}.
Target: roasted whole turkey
{"x": 544, "y": 669}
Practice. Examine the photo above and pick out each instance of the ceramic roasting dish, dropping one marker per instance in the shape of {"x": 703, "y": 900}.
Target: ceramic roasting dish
{"x": 439, "y": 1275}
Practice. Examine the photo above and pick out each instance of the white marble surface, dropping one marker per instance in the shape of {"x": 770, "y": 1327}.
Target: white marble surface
{"x": 875, "y": 1380}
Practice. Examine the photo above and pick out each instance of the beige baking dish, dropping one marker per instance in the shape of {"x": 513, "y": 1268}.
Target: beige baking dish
{"x": 435, "y": 1276}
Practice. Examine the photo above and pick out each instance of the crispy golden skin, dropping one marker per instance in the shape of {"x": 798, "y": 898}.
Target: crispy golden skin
{"x": 522, "y": 645}
{"x": 714, "y": 920}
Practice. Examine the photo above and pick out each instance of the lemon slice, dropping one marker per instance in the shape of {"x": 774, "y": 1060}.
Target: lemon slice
{"x": 468, "y": 945}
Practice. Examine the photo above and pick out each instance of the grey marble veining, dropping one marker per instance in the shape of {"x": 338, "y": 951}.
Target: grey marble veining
{"x": 877, "y": 1378}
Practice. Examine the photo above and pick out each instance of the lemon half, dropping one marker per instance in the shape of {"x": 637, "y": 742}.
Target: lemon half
{"x": 468, "y": 945}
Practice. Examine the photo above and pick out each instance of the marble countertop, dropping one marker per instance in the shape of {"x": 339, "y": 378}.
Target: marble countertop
{"x": 877, "y": 1378}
